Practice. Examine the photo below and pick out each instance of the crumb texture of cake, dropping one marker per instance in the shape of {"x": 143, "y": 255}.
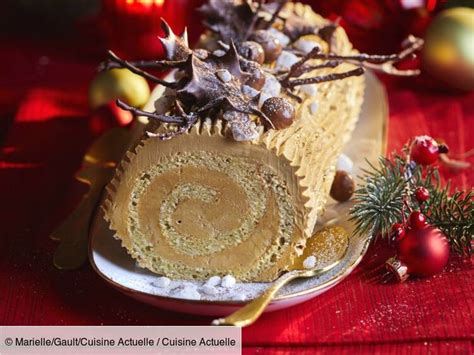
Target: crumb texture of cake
{"x": 231, "y": 195}
{"x": 203, "y": 204}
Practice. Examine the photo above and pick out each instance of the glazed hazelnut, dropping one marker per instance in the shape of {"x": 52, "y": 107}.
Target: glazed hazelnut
{"x": 272, "y": 47}
{"x": 252, "y": 51}
{"x": 256, "y": 79}
{"x": 343, "y": 186}
{"x": 280, "y": 111}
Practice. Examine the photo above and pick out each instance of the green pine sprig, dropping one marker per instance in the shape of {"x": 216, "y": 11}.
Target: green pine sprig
{"x": 379, "y": 203}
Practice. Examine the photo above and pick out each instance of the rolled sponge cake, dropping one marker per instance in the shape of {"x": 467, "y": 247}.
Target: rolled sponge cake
{"x": 203, "y": 204}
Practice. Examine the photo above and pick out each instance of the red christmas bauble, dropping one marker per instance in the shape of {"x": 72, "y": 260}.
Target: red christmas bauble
{"x": 424, "y": 251}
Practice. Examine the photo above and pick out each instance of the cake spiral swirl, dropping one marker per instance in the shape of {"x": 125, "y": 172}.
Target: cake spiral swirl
{"x": 200, "y": 212}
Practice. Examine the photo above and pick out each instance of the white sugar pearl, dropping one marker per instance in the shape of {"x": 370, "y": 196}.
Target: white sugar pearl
{"x": 309, "y": 89}
{"x": 209, "y": 290}
{"x": 218, "y": 52}
{"x": 280, "y": 36}
{"x": 249, "y": 91}
{"x": 213, "y": 281}
{"x": 239, "y": 297}
{"x": 187, "y": 293}
{"x": 228, "y": 281}
{"x": 162, "y": 282}
{"x": 271, "y": 88}
{"x": 286, "y": 60}
{"x": 313, "y": 107}
{"x": 309, "y": 262}
{"x": 345, "y": 163}
{"x": 190, "y": 285}
{"x": 305, "y": 45}
{"x": 224, "y": 75}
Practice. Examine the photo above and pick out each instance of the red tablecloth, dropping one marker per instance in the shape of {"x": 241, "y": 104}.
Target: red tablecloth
{"x": 43, "y": 91}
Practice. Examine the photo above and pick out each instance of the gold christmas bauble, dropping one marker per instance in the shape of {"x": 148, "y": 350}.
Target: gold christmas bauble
{"x": 448, "y": 53}
{"x": 118, "y": 84}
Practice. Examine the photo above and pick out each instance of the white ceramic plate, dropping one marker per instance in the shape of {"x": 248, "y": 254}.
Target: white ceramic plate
{"x": 116, "y": 267}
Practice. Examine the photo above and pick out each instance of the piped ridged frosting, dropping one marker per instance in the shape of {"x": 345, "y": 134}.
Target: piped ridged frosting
{"x": 315, "y": 140}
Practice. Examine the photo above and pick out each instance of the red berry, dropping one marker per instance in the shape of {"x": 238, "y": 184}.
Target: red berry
{"x": 425, "y": 150}
{"x": 397, "y": 231}
{"x": 417, "y": 220}
{"x": 422, "y": 194}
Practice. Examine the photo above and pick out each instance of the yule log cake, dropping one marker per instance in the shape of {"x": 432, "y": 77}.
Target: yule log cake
{"x": 239, "y": 155}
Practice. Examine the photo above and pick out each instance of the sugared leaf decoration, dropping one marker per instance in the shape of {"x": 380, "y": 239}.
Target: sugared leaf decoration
{"x": 226, "y": 85}
{"x": 230, "y": 19}
{"x": 203, "y": 85}
{"x": 210, "y": 91}
{"x": 231, "y": 62}
{"x": 176, "y": 48}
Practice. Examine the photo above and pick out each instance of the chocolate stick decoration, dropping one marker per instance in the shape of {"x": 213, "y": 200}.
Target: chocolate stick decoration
{"x": 170, "y": 134}
{"x": 189, "y": 121}
{"x": 295, "y": 68}
{"x": 138, "y": 112}
{"x": 329, "y": 64}
{"x": 316, "y": 53}
{"x": 411, "y": 45}
{"x": 306, "y": 69}
{"x": 319, "y": 79}
{"x": 292, "y": 95}
{"x": 383, "y": 63}
{"x": 138, "y": 71}
{"x": 363, "y": 57}
{"x": 155, "y": 64}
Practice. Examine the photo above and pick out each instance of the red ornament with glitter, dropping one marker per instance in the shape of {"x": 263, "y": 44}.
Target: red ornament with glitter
{"x": 422, "y": 251}
{"x": 399, "y": 187}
